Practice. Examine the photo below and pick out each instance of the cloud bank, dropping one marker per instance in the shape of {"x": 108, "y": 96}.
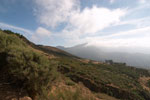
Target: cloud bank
{"x": 69, "y": 22}
{"x": 78, "y": 23}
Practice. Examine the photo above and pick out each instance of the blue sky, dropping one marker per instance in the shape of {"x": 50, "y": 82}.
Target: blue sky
{"x": 110, "y": 23}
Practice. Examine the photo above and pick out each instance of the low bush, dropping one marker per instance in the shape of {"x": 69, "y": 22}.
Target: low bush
{"x": 25, "y": 68}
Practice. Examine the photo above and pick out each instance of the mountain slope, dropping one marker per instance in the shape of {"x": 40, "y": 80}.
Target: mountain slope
{"x": 34, "y": 73}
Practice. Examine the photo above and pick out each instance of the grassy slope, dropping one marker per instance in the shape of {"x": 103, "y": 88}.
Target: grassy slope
{"x": 116, "y": 80}
{"x": 29, "y": 66}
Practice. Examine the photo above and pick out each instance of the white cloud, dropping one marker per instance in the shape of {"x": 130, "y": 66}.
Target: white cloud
{"x": 142, "y": 1}
{"x": 143, "y": 4}
{"x": 92, "y": 20}
{"x": 54, "y": 12}
{"x": 40, "y": 34}
{"x": 140, "y": 33}
{"x": 139, "y": 23}
{"x": 133, "y": 38}
{"x": 89, "y": 20}
{"x": 79, "y": 22}
{"x": 7, "y": 26}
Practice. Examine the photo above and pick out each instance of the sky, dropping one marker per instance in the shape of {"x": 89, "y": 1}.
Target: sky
{"x": 109, "y": 23}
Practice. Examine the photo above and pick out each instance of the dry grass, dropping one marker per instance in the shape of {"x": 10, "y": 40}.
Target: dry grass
{"x": 92, "y": 61}
{"x": 61, "y": 88}
{"x": 102, "y": 96}
{"x": 143, "y": 81}
{"x": 50, "y": 56}
{"x": 71, "y": 92}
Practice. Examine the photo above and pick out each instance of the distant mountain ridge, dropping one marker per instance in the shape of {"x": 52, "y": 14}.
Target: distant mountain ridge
{"x": 99, "y": 54}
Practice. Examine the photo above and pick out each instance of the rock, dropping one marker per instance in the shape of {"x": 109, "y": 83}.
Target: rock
{"x": 23, "y": 98}
{"x": 14, "y": 99}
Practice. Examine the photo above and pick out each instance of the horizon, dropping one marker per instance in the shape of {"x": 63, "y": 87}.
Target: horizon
{"x": 101, "y": 23}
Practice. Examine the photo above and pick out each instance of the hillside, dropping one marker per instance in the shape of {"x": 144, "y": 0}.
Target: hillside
{"x": 47, "y": 73}
{"x": 132, "y": 58}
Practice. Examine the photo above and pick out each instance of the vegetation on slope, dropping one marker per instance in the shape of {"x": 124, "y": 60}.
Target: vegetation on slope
{"x": 23, "y": 66}
{"x": 116, "y": 80}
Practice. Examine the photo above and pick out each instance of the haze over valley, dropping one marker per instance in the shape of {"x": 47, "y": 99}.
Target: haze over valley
{"x": 131, "y": 56}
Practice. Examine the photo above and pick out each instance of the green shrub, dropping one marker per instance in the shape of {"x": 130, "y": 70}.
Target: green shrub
{"x": 148, "y": 83}
{"x": 25, "y": 67}
{"x": 70, "y": 82}
{"x": 31, "y": 68}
